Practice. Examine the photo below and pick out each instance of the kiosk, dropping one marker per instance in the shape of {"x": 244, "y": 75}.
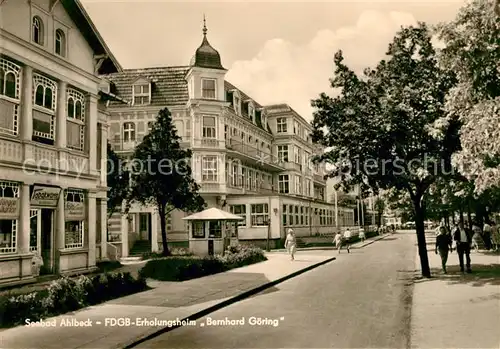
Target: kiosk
{"x": 212, "y": 231}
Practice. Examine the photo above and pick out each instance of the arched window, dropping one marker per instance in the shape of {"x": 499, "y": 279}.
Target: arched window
{"x": 37, "y": 30}
{"x": 75, "y": 125}
{"x": 10, "y": 85}
{"x": 71, "y": 107}
{"x": 60, "y": 43}
{"x": 39, "y": 95}
{"x": 2, "y": 81}
{"x": 48, "y": 98}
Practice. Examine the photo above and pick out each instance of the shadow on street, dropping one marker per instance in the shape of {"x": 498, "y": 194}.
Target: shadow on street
{"x": 481, "y": 275}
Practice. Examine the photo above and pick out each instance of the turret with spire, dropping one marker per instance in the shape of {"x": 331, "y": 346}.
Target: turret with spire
{"x": 206, "y": 56}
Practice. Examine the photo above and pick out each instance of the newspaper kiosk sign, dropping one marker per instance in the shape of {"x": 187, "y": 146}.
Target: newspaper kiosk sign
{"x": 45, "y": 196}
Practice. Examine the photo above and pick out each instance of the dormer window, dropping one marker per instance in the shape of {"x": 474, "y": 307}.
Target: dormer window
{"x": 237, "y": 104}
{"x": 208, "y": 89}
{"x": 142, "y": 94}
{"x": 251, "y": 112}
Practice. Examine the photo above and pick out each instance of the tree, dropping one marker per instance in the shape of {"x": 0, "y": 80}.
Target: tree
{"x": 472, "y": 50}
{"x": 379, "y": 206}
{"x": 161, "y": 174}
{"x": 378, "y": 126}
{"x": 117, "y": 179}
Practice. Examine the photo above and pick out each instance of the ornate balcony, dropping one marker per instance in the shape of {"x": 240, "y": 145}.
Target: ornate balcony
{"x": 253, "y": 155}
{"x": 211, "y": 143}
{"x": 11, "y": 150}
{"x": 211, "y": 188}
{"x": 292, "y": 166}
{"x": 319, "y": 178}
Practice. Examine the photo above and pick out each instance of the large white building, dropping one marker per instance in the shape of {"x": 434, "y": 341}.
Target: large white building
{"x": 53, "y": 133}
{"x": 250, "y": 159}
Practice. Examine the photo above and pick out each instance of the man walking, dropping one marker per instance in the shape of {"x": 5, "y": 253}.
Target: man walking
{"x": 463, "y": 240}
{"x": 443, "y": 245}
{"x": 347, "y": 238}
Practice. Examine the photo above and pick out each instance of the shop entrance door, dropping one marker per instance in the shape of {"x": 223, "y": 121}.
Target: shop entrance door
{"x": 47, "y": 240}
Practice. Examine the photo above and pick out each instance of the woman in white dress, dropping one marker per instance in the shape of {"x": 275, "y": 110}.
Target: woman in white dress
{"x": 291, "y": 244}
{"x": 362, "y": 236}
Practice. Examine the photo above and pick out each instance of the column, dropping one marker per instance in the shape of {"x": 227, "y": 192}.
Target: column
{"x": 61, "y": 115}
{"x": 23, "y": 233}
{"x": 91, "y": 230}
{"x": 60, "y": 232}
{"x": 104, "y": 228}
{"x": 154, "y": 231}
{"x": 92, "y": 133}
{"x": 27, "y": 104}
{"x": 104, "y": 153}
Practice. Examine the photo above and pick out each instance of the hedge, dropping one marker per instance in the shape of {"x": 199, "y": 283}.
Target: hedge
{"x": 65, "y": 295}
{"x": 192, "y": 267}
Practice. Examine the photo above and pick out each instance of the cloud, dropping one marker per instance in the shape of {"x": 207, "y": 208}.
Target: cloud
{"x": 286, "y": 73}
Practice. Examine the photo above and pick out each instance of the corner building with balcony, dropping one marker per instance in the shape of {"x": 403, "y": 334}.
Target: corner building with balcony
{"x": 53, "y": 132}
{"x": 249, "y": 159}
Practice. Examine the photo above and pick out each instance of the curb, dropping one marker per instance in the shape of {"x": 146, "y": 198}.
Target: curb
{"x": 143, "y": 338}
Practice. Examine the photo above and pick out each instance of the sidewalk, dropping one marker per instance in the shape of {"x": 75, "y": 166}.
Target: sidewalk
{"x": 167, "y": 301}
{"x": 454, "y": 310}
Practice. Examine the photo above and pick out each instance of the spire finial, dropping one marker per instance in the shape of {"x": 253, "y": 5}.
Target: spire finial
{"x": 204, "y": 26}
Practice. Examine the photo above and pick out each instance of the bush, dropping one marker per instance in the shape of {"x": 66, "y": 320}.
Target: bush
{"x": 175, "y": 251}
{"x": 65, "y": 295}
{"x": 186, "y": 268}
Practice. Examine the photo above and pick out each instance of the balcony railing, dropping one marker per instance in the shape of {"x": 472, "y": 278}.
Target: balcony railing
{"x": 260, "y": 155}
{"x": 292, "y": 166}
{"x": 9, "y": 116}
{"x": 211, "y": 187}
{"x": 318, "y": 178}
{"x": 11, "y": 150}
{"x": 208, "y": 143}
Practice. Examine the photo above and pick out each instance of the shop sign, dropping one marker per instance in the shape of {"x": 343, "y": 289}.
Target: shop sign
{"x": 45, "y": 196}
{"x": 74, "y": 211}
{"x": 9, "y": 208}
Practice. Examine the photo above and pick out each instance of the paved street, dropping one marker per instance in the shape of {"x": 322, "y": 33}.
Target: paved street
{"x": 360, "y": 300}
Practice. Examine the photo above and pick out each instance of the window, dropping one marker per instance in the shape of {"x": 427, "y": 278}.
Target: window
{"x": 296, "y": 127}
{"x": 128, "y": 132}
{"x": 237, "y": 105}
{"x": 74, "y": 229}
{"x": 298, "y": 185}
{"x": 198, "y": 230}
{"x": 215, "y": 229}
{"x": 281, "y": 125}
{"x": 142, "y": 94}
{"x": 44, "y": 96}
{"x": 37, "y": 30}
{"x": 301, "y": 215}
{"x": 209, "y": 168}
{"x": 240, "y": 210}
{"x": 9, "y": 87}
{"x": 75, "y": 124}
{"x": 284, "y": 214}
{"x": 150, "y": 126}
{"x": 290, "y": 215}
{"x": 251, "y": 112}
{"x": 60, "y": 43}
{"x": 308, "y": 187}
{"x": 236, "y": 179}
{"x": 307, "y": 216}
{"x": 260, "y": 214}
{"x": 208, "y": 89}
{"x": 9, "y": 194}
{"x": 209, "y": 127}
{"x": 34, "y": 223}
{"x": 296, "y": 215}
{"x": 283, "y": 153}
{"x": 283, "y": 184}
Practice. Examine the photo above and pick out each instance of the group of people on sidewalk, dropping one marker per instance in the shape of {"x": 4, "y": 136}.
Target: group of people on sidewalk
{"x": 340, "y": 240}
{"x": 465, "y": 240}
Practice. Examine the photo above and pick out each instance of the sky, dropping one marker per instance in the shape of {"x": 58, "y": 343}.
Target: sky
{"x": 275, "y": 51}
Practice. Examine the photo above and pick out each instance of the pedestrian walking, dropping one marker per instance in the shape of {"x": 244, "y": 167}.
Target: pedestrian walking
{"x": 291, "y": 244}
{"x": 443, "y": 245}
{"x": 362, "y": 235}
{"x": 346, "y": 239}
{"x": 463, "y": 241}
{"x": 476, "y": 239}
{"x": 487, "y": 235}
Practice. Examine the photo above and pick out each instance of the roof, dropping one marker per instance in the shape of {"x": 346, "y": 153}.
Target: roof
{"x": 283, "y": 108}
{"x": 169, "y": 87}
{"x": 206, "y": 56}
{"x": 77, "y": 12}
{"x": 213, "y": 214}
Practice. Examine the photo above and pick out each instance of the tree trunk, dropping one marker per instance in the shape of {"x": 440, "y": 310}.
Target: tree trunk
{"x": 469, "y": 215}
{"x": 461, "y": 216}
{"x": 163, "y": 226}
{"x": 422, "y": 244}
{"x": 453, "y": 218}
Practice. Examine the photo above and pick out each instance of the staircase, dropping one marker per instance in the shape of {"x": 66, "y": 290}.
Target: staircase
{"x": 140, "y": 247}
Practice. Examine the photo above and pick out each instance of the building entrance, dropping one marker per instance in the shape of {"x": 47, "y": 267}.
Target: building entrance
{"x": 47, "y": 240}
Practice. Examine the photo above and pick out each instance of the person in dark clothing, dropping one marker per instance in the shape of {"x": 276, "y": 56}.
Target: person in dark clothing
{"x": 463, "y": 240}
{"x": 443, "y": 245}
